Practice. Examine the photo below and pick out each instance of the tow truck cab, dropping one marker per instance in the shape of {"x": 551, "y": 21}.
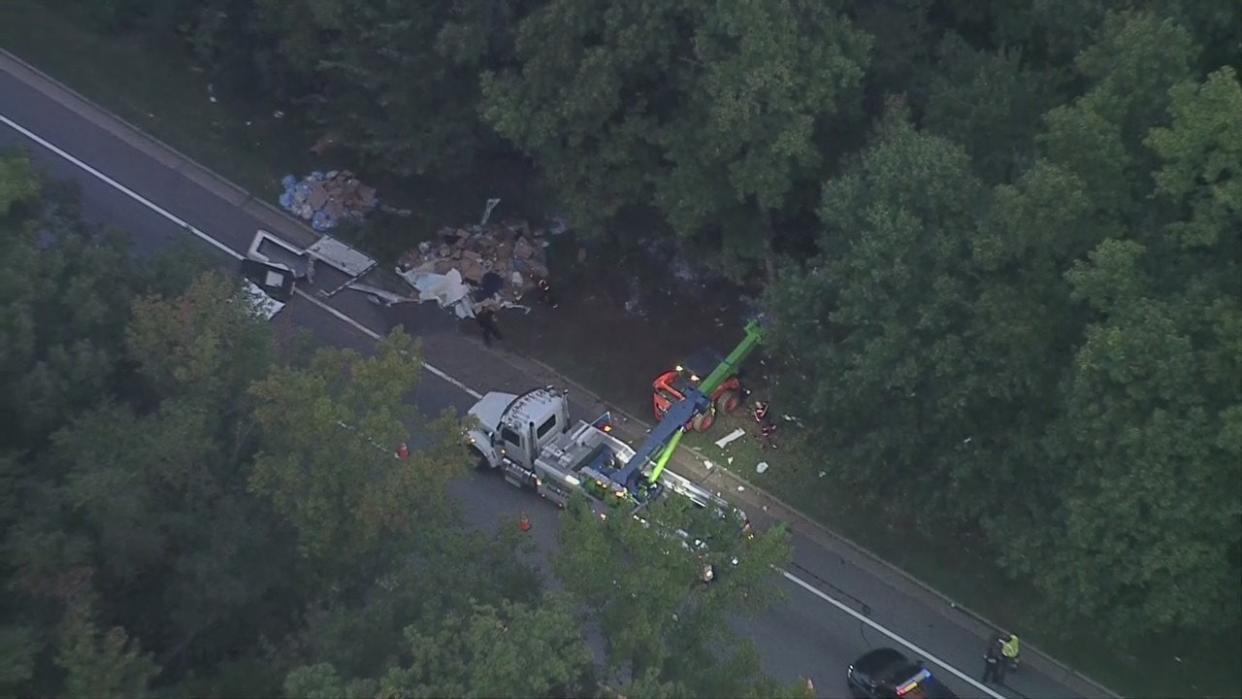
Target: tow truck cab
{"x": 518, "y": 427}
{"x": 530, "y": 439}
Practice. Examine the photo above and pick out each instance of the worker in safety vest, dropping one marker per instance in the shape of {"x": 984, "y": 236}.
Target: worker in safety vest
{"x": 1010, "y": 649}
{"x": 767, "y": 427}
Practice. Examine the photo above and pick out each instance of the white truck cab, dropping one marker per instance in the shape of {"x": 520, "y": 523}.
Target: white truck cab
{"x": 517, "y": 426}
{"x": 531, "y": 439}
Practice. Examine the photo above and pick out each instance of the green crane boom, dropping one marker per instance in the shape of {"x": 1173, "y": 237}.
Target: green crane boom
{"x": 726, "y": 368}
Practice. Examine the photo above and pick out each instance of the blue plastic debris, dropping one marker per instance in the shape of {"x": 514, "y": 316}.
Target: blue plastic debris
{"x": 324, "y": 199}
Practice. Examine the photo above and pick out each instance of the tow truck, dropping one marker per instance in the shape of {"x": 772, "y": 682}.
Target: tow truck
{"x": 532, "y": 441}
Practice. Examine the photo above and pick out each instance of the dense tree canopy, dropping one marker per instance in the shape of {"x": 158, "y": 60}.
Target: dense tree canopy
{"x": 719, "y": 114}
{"x": 1055, "y": 357}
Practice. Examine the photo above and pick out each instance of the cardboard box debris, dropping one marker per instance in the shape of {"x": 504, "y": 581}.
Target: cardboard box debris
{"x": 512, "y": 249}
{"x": 327, "y": 198}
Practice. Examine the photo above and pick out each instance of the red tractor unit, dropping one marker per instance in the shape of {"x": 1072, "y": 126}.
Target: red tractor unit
{"x": 670, "y": 387}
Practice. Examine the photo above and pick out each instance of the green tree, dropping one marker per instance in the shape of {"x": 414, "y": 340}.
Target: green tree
{"x": 67, "y": 293}
{"x": 588, "y": 89}
{"x": 617, "y": 104}
{"x": 1200, "y": 153}
{"x": 418, "y": 630}
{"x": 18, "y": 648}
{"x": 362, "y": 635}
{"x": 991, "y": 103}
{"x": 101, "y": 663}
{"x": 149, "y": 498}
{"x": 642, "y": 587}
{"x": 328, "y": 436}
{"x": 885, "y": 311}
{"x": 17, "y": 181}
{"x": 1098, "y": 137}
{"x": 759, "y": 93}
{"x": 206, "y": 342}
{"x": 1150, "y": 403}
{"x": 321, "y": 681}
{"x": 489, "y": 651}
{"x": 360, "y": 54}
{"x": 904, "y": 35}
{"x": 481, "y": 651}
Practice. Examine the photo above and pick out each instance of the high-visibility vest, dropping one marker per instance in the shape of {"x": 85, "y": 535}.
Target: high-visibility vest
{"x": 1010, "y": 647}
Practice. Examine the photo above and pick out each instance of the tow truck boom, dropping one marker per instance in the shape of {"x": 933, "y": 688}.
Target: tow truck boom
{"x": 666, "y": 435}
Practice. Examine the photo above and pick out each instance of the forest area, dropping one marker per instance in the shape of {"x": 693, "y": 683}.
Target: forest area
{"x": 1000, "y": 245}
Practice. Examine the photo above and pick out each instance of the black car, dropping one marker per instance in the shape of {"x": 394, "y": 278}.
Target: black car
{"x": 886, "y": 674}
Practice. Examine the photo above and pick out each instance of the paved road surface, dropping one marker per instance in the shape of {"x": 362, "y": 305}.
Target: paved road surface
{"x": 838, "y": 605}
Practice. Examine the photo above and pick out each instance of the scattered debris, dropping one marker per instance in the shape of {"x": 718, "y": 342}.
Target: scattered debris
{"x": 510, "y": 251}
{"x": 487, "y": 211}
{"x": 741, "y": 488}
{"x": 450, "y": 291}
{"x": 708, "y": 464}
{"x": 735, "y": 434}
{"x": 381, "y": 297}
{"x": 262, "y": 304}
{"x": 761, "y": 467}
{"x": 558, "y": 226}
{"x": 395, "y": 211}
{"x": 327, "y": 198}
{"x": 729, "y": 461}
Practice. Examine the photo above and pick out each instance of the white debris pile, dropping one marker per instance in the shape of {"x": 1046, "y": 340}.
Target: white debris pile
{"x": 451, "y": 292}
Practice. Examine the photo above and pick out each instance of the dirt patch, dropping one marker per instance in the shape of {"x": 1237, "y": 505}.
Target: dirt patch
{"x": 624, "y": 317}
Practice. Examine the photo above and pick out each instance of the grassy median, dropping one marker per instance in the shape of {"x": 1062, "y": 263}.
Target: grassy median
{"x": 252, "y": 146}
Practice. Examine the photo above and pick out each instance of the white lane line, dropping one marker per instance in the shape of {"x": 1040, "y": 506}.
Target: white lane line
{"x": 913, "y": 648}
{"x": 376, "y": 336}
{"x": 120, "y": 187}
{"x": 208, "y": 239}
{"x": 433, "y": 370}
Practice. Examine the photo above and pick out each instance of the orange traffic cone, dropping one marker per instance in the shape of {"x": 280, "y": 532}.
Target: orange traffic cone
{"x": 403, "y": 451}
{"x": 524, "y": 523}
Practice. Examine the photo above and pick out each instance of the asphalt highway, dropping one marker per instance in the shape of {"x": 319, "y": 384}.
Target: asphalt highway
{"x": 835, "y": 608}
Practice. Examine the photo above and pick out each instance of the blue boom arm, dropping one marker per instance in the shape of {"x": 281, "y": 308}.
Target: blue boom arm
{"x": 664, "y": 437}
{"x": 674, "y": 420}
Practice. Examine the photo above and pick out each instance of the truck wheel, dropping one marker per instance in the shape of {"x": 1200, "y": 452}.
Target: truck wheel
{"x": 728, "y": 401}
{"x": 703, "y": 421}
{"x": 480, "y": 462}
